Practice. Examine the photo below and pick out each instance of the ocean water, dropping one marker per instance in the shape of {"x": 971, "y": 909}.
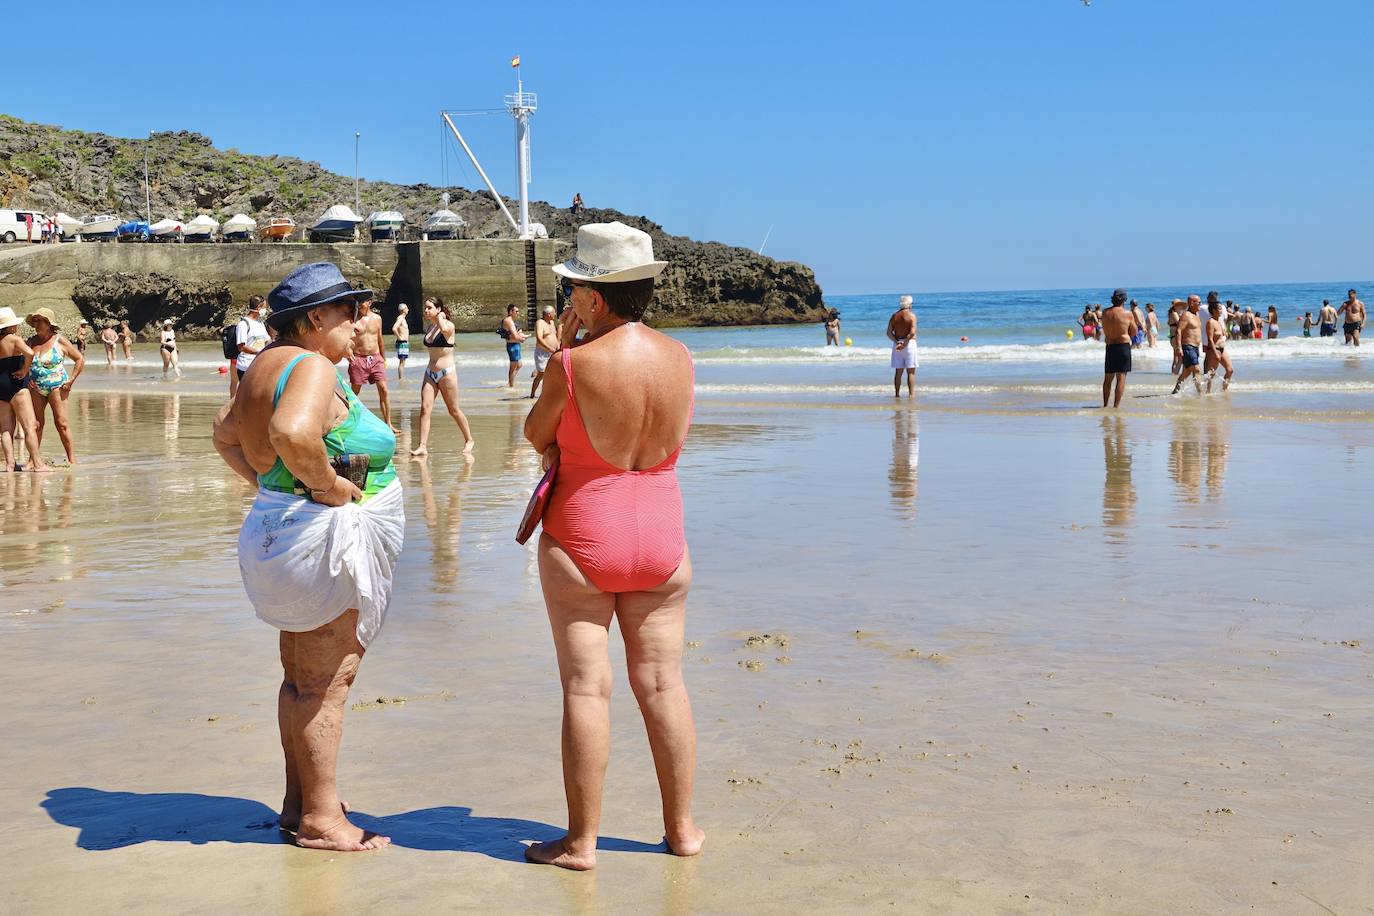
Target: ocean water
{"x": 1010, "y": 344}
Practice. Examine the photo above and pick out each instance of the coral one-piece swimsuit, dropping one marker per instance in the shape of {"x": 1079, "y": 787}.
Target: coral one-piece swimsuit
{"x": 622, "y": 528}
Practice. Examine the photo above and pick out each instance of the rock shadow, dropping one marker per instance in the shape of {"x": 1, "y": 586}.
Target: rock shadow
{"x": 114, "y": 820}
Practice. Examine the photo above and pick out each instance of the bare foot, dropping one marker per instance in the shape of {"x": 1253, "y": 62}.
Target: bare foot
{"x": 420, "y": 452}
{"x": 342, "y": 836}
{"x": 467, "y": 449}
{"x": 688, "y": 844}
{"x": 41, "y": 468}
{"x": 290, "y": 818}
{"x": 555, "y": 852}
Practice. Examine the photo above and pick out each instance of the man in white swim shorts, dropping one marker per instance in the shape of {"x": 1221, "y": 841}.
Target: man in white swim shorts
{"x": 545, "y": 345}
{"x": 901, "y": 330}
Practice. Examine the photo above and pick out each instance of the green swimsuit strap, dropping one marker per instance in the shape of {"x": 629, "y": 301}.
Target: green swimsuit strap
{"x": 285, "y": 374}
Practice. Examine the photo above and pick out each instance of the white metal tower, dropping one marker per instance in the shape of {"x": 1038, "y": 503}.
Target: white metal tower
{"x": 521, "y": 105}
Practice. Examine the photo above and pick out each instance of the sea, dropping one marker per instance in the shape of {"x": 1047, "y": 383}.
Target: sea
{"x": 1008, "y": 348}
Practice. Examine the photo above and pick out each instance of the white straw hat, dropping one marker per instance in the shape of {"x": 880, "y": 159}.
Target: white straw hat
{"x": 905, "y": 300}
{"x": 611, "y": 253}
{"x": 7, "y": 317}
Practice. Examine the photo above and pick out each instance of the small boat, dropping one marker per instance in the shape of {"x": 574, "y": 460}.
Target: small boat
{"x": 278, "y": 228}
{"x": 443, "y": 224}
{"x": 238, "y": 228}
{"x": 338, "y": 224}
{"x": 166, "y": 230}
{"x": 201, "y": 229}
{"x": 385, "y": 225}
{"x": 100, "y": 228}
{"x": 135, "y": 230}
{"x": 70, "y": 225}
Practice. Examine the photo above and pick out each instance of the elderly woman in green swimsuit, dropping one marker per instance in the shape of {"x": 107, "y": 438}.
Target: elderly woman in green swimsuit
{"x": 49, "y": 383}
{"x": 320, "y": 544}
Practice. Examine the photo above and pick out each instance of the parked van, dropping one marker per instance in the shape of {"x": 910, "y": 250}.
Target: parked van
{"x": 21, "y": 225}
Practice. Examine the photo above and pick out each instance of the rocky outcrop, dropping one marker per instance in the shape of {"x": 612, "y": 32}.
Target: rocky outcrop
{"x": 78, "y": 172}
{"x": 198, "y": 309}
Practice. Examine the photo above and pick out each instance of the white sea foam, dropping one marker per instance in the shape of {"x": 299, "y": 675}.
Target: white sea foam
{"x": 1085, "y": 352}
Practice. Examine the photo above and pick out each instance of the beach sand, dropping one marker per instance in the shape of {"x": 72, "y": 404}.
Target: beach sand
{"x": 944, "y": 657}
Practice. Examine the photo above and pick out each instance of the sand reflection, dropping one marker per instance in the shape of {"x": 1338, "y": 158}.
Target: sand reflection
{"x": 1118, "y": 484}
{"x": 906, "y": 456}
{"x": 1198, "y": 454}
{"x": 444, "y": 522}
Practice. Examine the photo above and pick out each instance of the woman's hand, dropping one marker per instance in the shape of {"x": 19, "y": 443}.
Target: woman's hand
{"x": 343, "y": 492}
{"x": 65, "y": 387}
{"x": 567, "y": 337}
{"x": 549, "y": 457}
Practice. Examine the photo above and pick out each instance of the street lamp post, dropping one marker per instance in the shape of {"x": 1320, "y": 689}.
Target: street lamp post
{"x": 147, "y": 195}
{"x": 357, "y": 200}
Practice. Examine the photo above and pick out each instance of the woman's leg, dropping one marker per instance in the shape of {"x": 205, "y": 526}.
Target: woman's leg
{"x": 448, "y": 386}
{"x": 58, "y": 402}
{"x": 7, "y": 435}
{"x": 580, "y": 616}
{"x": 166, "y": 360}
{"x": 426, "y": 411}
{"x": 176, "y": 362}
{"x": 39, "y": 400}
{"x": 287, "y": 696}
{"x": 22, "y": 406}
{"x": 326, "y": 661}
{"x": 652, "y": 624}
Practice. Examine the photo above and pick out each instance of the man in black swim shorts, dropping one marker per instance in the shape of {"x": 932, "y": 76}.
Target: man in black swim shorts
{"x": 1119, "y": 327}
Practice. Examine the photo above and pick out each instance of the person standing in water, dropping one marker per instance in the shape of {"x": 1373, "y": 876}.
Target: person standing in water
{"x": 171, "y": 359}
{"x": 545, "y": 345}
{"x": 1216, "y": 335}
{"x": 1354, "y": 318}
{"x": 514, "y": 336}
{"x": 126, "y": 340}
{"x": 110, "y": 338}
{"x": 1189, "y": 340}
{"x": 367, "y": 358}
{"x": 400, "y": 329}
{"x": 1326, "y": 319}
{"x": 1121, "y": 333}
{"x": 832, "y": 329}
{"x": 901, "y": 330}
{"x": 441, "y": 377}
{"x": 1151, "y": 325}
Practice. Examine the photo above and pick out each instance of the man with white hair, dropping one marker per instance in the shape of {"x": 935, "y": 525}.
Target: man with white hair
{"x": 901, "y": 330}
{"x": 545, "y": 345}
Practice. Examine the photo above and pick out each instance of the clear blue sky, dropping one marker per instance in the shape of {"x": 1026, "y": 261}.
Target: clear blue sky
{"x": 964, "y": 144}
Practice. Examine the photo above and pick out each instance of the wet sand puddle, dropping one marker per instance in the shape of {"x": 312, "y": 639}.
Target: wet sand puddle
{"x": 940, "y": 660}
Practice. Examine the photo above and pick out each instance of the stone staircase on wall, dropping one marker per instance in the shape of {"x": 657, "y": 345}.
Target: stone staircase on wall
{"x": 356, "y": 270}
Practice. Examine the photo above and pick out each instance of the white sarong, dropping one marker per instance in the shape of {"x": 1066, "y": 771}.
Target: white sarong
{"x": 304, "y": 564}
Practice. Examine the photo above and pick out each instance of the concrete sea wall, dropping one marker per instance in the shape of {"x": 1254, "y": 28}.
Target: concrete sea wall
{"x": 201, "y": 286}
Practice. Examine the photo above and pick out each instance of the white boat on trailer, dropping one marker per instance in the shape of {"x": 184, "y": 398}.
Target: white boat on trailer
{"x": 338, "y": 224}
{"x": 166, "y": 230}
{"x": 385, "y": 225}
{"x": 201, "y": 229}
{"x": 443, "y": 224}
{"x": 238, "y": 228}
{"x": 100, "y": 228}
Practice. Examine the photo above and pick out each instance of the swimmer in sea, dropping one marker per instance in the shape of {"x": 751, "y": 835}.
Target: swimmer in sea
{"x": 1189, "y": 340}
{"x": 1216, "y": 334}
{"x": 1354, "y": 318}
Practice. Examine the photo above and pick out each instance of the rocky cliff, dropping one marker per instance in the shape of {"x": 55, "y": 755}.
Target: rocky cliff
{"x": 78, "y": 172}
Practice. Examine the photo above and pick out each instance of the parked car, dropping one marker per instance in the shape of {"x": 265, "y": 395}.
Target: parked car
{"x": 21, "y": 225}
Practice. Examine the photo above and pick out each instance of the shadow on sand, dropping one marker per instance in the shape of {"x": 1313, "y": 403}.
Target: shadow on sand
{"x": 113, "y": 820}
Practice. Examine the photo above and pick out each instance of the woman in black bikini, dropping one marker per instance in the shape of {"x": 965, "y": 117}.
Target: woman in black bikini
{"x": 441, "y": 376}
{"x": 16, "y": 410}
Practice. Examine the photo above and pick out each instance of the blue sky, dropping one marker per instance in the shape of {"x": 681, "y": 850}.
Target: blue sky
{"x": 965, "y": 144}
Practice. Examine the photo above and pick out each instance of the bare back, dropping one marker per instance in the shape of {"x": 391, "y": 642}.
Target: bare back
{"x": 1118, "y": 325}
{"x": 902, "y": 325}
{"x": 634, "y": 389}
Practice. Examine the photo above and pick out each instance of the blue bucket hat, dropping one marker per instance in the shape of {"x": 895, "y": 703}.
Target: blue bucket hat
{"x": 309, "y": 286}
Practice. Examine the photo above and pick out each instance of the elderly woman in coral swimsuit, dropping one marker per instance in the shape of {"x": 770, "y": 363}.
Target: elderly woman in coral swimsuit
{"x": 615, "y": 410}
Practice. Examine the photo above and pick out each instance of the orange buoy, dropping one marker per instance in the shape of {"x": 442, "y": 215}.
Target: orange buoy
{"x": 223, "y": 370}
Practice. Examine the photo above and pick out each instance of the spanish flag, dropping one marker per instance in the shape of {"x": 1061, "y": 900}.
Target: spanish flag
{"x": 515, "y": 61}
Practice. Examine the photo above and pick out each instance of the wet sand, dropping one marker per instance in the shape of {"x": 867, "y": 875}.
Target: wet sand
{"x": 942, "y": 659}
